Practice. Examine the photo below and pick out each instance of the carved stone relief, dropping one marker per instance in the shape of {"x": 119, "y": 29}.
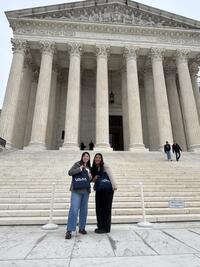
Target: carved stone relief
{"x": 114, "y": 13}
{"x": 19, "y": 45}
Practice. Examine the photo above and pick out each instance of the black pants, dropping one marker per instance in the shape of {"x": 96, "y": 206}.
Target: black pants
{"x": 103, "y": 202}
{"x": 178, "y": 154}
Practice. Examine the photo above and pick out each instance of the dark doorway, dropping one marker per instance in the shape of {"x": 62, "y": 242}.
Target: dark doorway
{"x": 116, "y": 132}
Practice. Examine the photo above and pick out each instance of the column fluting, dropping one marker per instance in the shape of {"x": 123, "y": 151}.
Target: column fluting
{"x": 190, "y": 114}
{"x": 125, "y": 108}
{"x": 73, "y": 98}
{"x": 39, "y": 126}
{"x": 8, "y": 114}
{"x": 23, "y": 102}
{"x": 174, "y": 106}
{"x": 31, "y": 106}
{"x": 162, "y": 107}
{"x": 102, "y": 101}
{"x": 150, "y": 107}
{"x": 133, "y": 100}
{"x": 194, "y": 69}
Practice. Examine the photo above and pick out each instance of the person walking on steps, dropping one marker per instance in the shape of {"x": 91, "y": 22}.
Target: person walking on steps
{"x": 167, "y": 150}
{"x": 177, "y": 150}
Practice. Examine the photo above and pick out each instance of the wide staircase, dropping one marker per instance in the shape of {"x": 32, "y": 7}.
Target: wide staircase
{"x": 171, "y": 189}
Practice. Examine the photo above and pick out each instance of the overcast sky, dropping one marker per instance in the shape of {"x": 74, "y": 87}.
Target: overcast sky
{"x": 187, "y": 8}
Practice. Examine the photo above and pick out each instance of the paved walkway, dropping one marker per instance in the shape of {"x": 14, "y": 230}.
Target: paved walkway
{"x": 165, "y": 245}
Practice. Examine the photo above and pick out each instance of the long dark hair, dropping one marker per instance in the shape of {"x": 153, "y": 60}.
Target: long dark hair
{"x": 94, "y": 166}
{"x": 81, "y": 161}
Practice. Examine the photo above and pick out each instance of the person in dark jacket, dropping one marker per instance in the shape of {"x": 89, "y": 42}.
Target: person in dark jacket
{"x": 167, "y": 150}
{"x": 91, "y": 145}
{"x": 79, "y": 198}
{"x": 82, "y": 146}
{"x": 177, "y": 150}
{"x": 103, "y": 199}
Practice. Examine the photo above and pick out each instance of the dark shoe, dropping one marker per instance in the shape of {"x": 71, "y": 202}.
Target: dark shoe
{"x": 99, "y": 231}
{"x": 82, "y": 231}
{"x": 68, "y": 235}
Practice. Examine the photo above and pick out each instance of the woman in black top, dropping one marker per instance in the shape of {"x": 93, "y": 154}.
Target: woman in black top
{"x": 103, "y": 199}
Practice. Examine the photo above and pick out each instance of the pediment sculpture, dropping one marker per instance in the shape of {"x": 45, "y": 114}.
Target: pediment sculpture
{"x": 115, "y": 14}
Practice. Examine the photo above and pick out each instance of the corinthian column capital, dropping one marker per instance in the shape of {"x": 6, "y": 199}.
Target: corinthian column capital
{"x": 102, "y": 50}
{"x": 75, "y": 49}
{"x": 157, "y": 53}
{"x": 20, "y": 46}
{"x": 47, "y": 47}
{"x": 130, "y": 52}
{"x": 182, "y": 54}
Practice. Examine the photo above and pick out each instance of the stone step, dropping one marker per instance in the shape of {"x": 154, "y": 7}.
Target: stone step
{"x": 175, "y": 193}
{"x": 121, "y": 189}
{"x": 26, "y": 180}
{"x": 91, "y": 199}
{"x": 91, "y": 212}
{"x": 121, "y": 184}
{"x": 92, "y": 219}
{"x": 116, "y": 204}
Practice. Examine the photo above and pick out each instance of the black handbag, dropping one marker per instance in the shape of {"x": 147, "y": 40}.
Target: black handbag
{"x": 103, "y": 183}
{"x": 81, "y": 180}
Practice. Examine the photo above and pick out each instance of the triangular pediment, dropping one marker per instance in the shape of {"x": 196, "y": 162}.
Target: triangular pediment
{"x": 108, "y": 12}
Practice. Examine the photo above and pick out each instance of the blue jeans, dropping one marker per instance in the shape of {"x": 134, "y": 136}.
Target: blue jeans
{"x": 168, "y": 155}
{"x": 79, "y": 204}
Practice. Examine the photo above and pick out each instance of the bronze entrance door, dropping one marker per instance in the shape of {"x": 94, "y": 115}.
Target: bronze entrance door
{"x": 116, "y": 132}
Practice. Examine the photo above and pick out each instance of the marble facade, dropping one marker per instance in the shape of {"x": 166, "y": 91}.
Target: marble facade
{"x": 69, "y": 58}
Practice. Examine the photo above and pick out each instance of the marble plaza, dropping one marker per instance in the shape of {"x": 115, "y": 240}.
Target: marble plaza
{"x": 117, "y": 72}
{"x": 167, "y": 245}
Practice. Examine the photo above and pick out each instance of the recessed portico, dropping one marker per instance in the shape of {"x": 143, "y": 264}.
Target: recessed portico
{"x": 73, "y": 65}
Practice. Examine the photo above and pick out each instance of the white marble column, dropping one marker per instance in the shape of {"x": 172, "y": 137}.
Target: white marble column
{"x": 31, "y": 106}
{"x": 73, "y": 99}
{"x": 162, "y": 107}
{"x": 190, "y": 114}
{"x": 150, "y": 107}
{"x": 22, "y": 105}
{"x": 102, "y": 101}
{"x": 61, "y": 108}
{"x": 174, "y": 106}
{"x": 133, "y": 100}
{"x": 52, "y": 107}
{"x": 39, "y": 127}
{"x": 143, "y": 110}
{"x": 194, "y": 69}
{"x": 125, "y": 108}
{"x": 8, "y": 114}
{"x": 57, "y": 133}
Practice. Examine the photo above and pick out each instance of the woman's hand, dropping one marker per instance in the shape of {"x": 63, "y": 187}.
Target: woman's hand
{"x": 90, "y": 176}
{"x": 95, "y": 178}
{"x": 82, "y": 167}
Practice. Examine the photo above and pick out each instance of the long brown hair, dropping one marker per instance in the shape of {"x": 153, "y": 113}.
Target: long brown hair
{"x": 94, "y": 166}
{"x": 81, "y": 161}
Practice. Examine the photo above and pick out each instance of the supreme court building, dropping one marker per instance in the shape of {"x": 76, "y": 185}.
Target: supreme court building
{"x": 116, "y": 72}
